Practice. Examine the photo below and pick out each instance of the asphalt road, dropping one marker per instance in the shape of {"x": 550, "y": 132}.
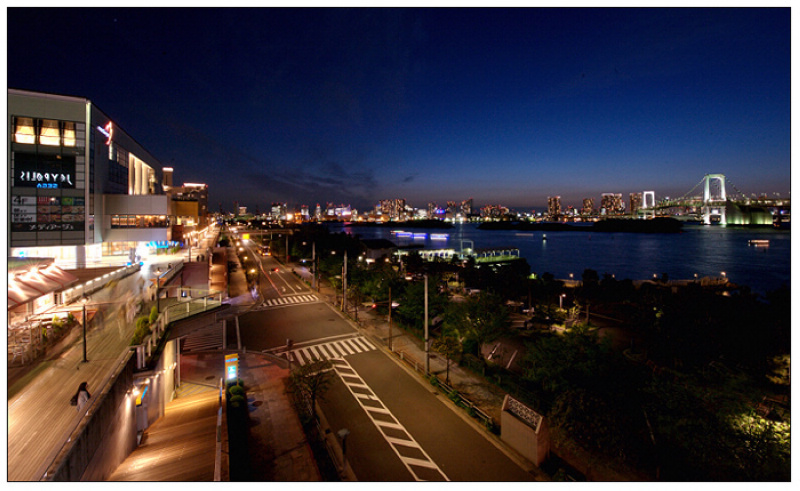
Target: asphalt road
{"x": 407, "y": 431}
{"x": 459, "y": 450}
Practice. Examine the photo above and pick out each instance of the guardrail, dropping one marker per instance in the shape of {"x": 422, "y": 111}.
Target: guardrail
{"x": 457, "y": 397}
{"x": 181, "y": 310}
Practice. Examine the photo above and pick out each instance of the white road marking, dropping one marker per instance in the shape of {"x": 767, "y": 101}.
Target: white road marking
{"x": 346, "y": 372}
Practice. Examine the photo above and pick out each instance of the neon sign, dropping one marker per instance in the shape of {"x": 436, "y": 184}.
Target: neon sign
{"x": 107, "y": 131}
{"x": 45, "y": 179}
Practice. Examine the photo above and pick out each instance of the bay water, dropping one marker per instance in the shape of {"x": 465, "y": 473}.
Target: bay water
{"x": 700, "y": 250}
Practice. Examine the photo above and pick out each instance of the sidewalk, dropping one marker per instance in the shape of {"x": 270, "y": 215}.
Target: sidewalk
{"x": 485, "y": 395}
{"x": 278, "y": 449}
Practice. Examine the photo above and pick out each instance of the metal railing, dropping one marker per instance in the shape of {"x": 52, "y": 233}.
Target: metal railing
{"x": 172, "y": 313}
{"x": 452, "y": 394}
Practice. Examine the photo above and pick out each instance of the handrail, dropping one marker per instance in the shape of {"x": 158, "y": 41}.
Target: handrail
{"x": 218, "y": 446}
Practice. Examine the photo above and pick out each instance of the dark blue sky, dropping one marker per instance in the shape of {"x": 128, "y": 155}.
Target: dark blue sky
{"x": 505, "y": 106}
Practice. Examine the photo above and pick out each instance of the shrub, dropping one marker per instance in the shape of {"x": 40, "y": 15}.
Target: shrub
{"x": 71, "y": 318}
{"x": 237, "y": 390}
{"x": 153, "y": 315}
{"x": 57, "y": 322}
{"x": 141, "y": 332}
{"x": 238, "y": 401}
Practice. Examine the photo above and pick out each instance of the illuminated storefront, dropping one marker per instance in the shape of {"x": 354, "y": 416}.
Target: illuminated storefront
{"x": 75, "y": 180}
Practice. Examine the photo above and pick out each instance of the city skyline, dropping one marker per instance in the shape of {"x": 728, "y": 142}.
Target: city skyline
{"x": 507, "y": 106}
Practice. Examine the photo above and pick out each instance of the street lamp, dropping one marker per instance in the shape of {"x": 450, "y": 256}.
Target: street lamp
{"x": 343, "y": 435}
{"x": 561, "y": 300}
{"x": 84, "y": 300}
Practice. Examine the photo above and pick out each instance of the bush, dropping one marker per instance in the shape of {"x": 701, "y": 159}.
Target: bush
{"x": 57, "y": 322}
{"x": 153, "y": 315}
{"x": 238, "y": 401}
{"x": 236, "y": 390}
{"x": 141, "y": 332}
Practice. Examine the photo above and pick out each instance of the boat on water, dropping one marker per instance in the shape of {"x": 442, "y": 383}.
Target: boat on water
{"x": 758, "y": 242}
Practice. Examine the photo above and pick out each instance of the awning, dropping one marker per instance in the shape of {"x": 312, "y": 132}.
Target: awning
{"x": 28, "y": 285}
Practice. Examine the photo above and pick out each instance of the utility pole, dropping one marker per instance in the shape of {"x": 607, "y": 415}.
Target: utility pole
{"x": 391, "y": 338}
{"x": 427, "y": 343}
{"x": 314, "y": 265}
{"x": 344, "y": 283}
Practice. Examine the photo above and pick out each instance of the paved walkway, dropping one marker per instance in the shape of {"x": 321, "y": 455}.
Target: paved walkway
{"x": 278, "y": 449}
{"x": 179, "y": 446}
{"x": 39, "y": 413}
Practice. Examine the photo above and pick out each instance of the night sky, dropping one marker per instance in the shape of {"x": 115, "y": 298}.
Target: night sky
{"x": 507, "y": 106}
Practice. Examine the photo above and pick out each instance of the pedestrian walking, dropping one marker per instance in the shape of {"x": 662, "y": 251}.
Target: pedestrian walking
{"x": 82, "y": 396}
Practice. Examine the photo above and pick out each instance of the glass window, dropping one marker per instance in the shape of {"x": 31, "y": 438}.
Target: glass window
{"x": 69, "y": 134}
{"x": 23, "y": 132}
{"x": 49, "y": 133}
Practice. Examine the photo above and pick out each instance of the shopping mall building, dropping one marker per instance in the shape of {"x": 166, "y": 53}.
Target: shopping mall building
{"x": 81, "y": 190}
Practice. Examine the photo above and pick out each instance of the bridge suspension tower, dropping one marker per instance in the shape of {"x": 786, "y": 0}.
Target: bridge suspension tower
{"x": 714, "y": 198}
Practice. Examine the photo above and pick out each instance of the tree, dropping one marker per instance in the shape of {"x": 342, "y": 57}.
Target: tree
{"x": 476, "y": 321}
{"x": 412, "y": 303}
{"x": 448, "y": 344}
{"x": 312, "y": 380}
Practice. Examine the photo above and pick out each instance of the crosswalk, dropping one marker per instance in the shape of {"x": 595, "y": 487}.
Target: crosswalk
{"x": 289, "y": 300}
{"x": 203, "y": 339}
{"x": 407, "y": 449}
{"x": 329, "y": 351}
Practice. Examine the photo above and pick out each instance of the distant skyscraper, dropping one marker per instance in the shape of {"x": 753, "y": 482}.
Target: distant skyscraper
{"x": 393, "y": 208}
{"x": 588, "y": 206}
{"x": 612, "y": 204}
{"x": 635, "y": 203}
{"x": 318, "y": 212}
{"x": 466, "y": 207}
{"x": 452, "y": 210}
{"x": 278, "y": 210}
{"x": 431, "y": 209}
{"x": 493, "y": 211}
{"x": 554, "y": 206}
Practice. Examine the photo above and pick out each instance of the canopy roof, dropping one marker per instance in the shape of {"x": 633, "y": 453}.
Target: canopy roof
{"x": 32, "y": 279}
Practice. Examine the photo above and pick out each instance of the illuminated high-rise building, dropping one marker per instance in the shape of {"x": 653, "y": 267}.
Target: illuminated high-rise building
{"x": 466, "y": 207}
{"x": 554, "y": 206}
{"x": 612, "y": 204}
{"x": 588, "y": 206}
{"x": 635, "y": 203}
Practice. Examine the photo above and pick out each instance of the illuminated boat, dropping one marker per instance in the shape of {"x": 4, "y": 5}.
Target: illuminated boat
{"x": 758, "y": 242}
{"x": 439, "y": 236}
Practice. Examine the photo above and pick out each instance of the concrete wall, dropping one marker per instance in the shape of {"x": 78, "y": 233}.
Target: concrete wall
{"x": 161, "y": 386}
{"x": 524, "y": 430}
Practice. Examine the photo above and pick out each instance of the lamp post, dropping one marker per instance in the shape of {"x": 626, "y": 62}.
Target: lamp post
{"x": 344, "y": 282}
{"x": 343, "y": 435}
{"x": 427, "y": 343}
{"x": 84, "y": 300}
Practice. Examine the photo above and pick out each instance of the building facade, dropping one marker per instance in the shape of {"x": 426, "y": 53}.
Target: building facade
{"x": 635, "y": 201}
{"x": 554, "y": 206}
{"x": 79, "y": 187}
{"x": 611, "y": 204}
